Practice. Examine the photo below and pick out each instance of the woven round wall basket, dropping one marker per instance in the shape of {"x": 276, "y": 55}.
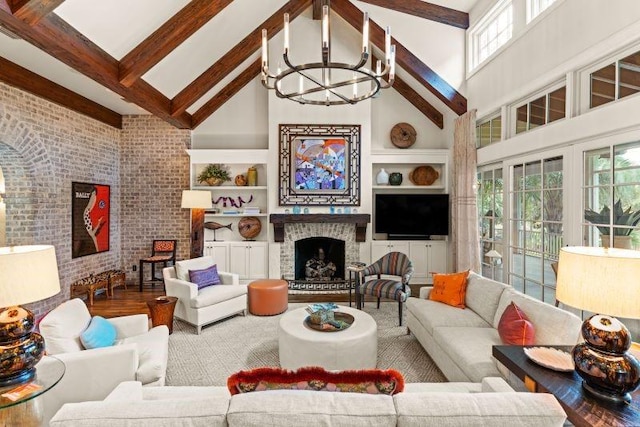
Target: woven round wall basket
{"x": 424, "y": 175}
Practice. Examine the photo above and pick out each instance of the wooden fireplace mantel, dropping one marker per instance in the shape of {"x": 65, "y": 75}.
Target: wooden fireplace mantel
{"x": 279, "y": 220}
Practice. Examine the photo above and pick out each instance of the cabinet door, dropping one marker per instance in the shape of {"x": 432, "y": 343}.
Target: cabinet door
{"x": 238, "y": 253}
{"x": 219, "y": 253}
{"x": 399, "y": 246}
{"x": 437, "y": 257}
{"x": 257, "y": 260}
{"x": 419, "y": 256}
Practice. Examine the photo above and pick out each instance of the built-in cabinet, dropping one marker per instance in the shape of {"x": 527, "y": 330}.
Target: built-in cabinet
{"x": 427, "y": 256}
{"x": 229, "y": 249}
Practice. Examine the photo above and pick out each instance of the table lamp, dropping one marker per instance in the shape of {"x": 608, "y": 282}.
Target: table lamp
{"x": 605, "y": 281}
{"x": 27, "y": 274}
{"x": 197, "y": 201}
{"x": 494, "y": 256}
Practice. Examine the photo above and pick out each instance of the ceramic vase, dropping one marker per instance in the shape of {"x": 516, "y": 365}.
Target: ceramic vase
{"x": 252, "y": 176}
{"x": 395, "y": 178}
{"x": 382, "y": 178}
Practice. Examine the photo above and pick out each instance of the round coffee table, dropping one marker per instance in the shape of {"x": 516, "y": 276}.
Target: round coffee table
{"x": 353, "y": 348}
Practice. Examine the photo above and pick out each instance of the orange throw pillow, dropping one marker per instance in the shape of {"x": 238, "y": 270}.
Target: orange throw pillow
{"x": 515, "y": 328}
{"x": 450, "y": 289}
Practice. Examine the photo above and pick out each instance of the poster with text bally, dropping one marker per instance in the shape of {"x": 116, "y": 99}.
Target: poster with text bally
{"x": 89, "y": 218}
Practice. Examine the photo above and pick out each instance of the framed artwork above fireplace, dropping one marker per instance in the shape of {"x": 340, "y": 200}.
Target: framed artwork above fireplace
{"x": 319, "y": 165}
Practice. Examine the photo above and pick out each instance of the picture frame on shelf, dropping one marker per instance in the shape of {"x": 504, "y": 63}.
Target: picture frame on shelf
{"x": 319, "y": 165}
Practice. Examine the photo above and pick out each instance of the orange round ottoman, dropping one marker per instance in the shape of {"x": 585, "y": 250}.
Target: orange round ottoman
{"x": 268, "y": 297}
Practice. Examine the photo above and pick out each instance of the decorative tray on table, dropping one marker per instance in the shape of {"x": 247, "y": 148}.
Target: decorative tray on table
{"x": 551, "y": 358}
{"x": 340, "y": 322}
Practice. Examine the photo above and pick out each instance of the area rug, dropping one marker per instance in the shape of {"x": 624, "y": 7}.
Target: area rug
{"x": 252, "y": 341}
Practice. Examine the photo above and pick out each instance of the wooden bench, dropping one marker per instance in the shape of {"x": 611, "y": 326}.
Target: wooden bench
{"x": 107, "y": 280}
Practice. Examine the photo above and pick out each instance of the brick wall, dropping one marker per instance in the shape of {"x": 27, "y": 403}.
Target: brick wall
{"x": 43, "y": 148}
{"x": 153, "y": 172}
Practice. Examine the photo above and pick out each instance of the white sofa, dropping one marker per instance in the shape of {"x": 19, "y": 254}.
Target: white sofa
{"x": 210, "y": 304}
{"x": 460, "y": 340}
{"x": 489, "y": 403}
{"x": 139, "y": 354}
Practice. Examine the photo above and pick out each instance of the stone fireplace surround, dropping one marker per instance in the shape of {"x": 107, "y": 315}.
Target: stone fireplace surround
{"x": 297, "y": 227}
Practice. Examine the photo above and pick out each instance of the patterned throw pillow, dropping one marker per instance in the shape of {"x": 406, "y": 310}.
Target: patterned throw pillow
{"x": 450, "y": 289}
{"x": 371, "y": 381}
{"x": 99, "y": 333}
{"x": 515, "y": 328}
{"x": 205, "y": 277}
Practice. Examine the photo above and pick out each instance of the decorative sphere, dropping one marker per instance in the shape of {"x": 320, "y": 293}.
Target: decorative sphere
{"x": 249, "y": 227}
{"x": 240, "y": 180}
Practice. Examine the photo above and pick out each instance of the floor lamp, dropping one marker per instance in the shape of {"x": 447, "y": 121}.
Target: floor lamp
{"x": 197, "y": 201}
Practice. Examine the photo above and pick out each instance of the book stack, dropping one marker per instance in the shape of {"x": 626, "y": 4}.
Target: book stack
{"x": 251, "y": 210}
{"x": 230, "y": 212}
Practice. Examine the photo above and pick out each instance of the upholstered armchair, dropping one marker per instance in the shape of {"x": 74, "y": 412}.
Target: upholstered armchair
{"x": 201, "y": 307}
{"x": 138, "y": 354}
{"x": 394, "y": 264}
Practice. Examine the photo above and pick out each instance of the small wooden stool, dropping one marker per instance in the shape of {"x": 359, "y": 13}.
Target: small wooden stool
{"x": 268, "y": 297}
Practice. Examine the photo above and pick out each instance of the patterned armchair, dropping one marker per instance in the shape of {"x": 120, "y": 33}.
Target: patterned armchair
{"x": 392, "y": 264}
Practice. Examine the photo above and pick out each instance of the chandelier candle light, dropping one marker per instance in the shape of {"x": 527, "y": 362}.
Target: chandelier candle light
{"x": 329, "y": 83}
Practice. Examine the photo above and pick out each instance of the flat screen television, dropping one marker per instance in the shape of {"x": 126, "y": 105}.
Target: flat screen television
{"x": 412, "y": 216}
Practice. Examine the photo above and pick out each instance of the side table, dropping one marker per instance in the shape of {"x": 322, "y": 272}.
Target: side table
{"x": 27, "y": 410}
{"x": 161, "y": 309}
{"x": 354, "y": 270}
{"x": 581, "y": 408}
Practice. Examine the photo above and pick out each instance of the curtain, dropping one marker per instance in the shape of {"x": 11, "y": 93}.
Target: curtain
{"x": 464, "y": 212}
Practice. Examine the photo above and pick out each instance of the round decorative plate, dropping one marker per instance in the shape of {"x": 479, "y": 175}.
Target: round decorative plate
{"x": 249, "y": 227}
{"x": 344, "y": 318}
{"x": 403, "y": 135}
{"x": 551, "y": 358}
{"x": 423, "y": 175}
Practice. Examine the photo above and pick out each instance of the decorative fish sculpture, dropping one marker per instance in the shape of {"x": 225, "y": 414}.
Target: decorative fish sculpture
{"x": 211, "y": 225}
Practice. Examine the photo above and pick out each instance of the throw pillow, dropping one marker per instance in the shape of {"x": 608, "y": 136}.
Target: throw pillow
{"x": 371, "y": 381}
{"x": 515, "y": 328}
{"x": 450, "y": 289}
{"x": 205, "y": 277}
{"x": 99, "y": 333}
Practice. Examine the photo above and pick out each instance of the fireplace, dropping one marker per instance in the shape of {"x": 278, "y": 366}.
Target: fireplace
{"x": 319, "y": 259}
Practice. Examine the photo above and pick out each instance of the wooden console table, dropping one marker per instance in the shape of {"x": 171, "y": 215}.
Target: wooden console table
{"x": 582, "y": 409}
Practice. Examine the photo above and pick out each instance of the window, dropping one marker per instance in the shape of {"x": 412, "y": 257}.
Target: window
{"x": 536, "y": 7}
{"x": 541, "y": 111}
{"x": 615, "y": 81}
{"x": 493, "y": 31}
{"x": 536, "y": 230}
{"x": 488, "y": 131}
{"x": 612, "y": 196}
{"x": 490, "y": 209}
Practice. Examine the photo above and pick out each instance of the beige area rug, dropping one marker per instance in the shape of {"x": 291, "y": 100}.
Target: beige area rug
{"x": 251, "y": 342}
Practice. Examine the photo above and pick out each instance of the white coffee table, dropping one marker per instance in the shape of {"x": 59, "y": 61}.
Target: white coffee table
{"x": 353, "y": 348}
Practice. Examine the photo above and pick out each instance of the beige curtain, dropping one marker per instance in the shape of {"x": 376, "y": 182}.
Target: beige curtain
{"x": 464, "y": 226}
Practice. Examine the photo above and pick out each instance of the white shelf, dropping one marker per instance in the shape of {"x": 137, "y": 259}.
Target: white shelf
{"x": 243, "y": 156}
{"x": 408, "y": 187}
{"x": 234, "y": 215}
{"x": 230, "y": 187}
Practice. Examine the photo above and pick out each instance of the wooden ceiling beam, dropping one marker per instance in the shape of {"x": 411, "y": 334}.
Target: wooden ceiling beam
{"x": 60, "y": 40}
{"x": 417, "y": 100}
{"x": 17, "y": 76}
{"x": 317, "y": 9}
{"x": 404, "y": 58}
{"x": 421, "y": 9}
{"x": 31, "y": 11}
{"x": 235, "y": 56}
{"x": 249, "y": 73}
{"x": 166, "y": 38}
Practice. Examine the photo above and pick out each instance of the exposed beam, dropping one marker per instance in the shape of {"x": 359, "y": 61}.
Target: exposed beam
{"x": 31, "y": 11}
{"x": 235, "y": 56}
{"x": 416, "y": 100}
{"x": 421, "y": 9}
{"x": 250, "y": 73}
{"x": 60, "y": 40}
{"x": 317, "y": 9}
{"x": 166, "y": 38}
{"x": 404, "y": 58}
{"x": 17, "y": 76}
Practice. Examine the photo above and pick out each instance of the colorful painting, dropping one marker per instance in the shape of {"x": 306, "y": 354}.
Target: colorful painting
{"x": 319, "y": 165}
{"x": 90, "y": 204}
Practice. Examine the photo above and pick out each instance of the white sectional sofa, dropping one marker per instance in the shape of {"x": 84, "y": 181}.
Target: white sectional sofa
{"x": 489, "y": 403}
{"x": 460, "y": 340}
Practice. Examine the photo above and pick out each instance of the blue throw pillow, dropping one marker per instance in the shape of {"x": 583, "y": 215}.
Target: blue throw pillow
{"x": 206, "y": 277}
{"x": 99, "y": 333}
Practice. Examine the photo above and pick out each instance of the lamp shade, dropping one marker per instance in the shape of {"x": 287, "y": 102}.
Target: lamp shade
{"x": 493, "y": 254}
{"x": 27, "y": 274}
{"x": 196, "y": 199}
{"x": 600, "y": 280}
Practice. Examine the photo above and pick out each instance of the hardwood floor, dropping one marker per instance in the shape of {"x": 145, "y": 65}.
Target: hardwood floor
{"x": 132, "y": 301}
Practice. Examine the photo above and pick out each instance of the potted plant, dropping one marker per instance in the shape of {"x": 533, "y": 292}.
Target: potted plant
{"x": 621, "y": 236}
{"x": 214, "y": 174}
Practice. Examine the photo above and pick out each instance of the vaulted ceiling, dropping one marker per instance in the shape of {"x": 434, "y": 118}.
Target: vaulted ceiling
{"x": 181, "y": 60}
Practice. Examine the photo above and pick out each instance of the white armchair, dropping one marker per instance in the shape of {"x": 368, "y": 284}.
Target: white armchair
{"x": 210, "y": 304}
{"x": 139, "y": 353}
